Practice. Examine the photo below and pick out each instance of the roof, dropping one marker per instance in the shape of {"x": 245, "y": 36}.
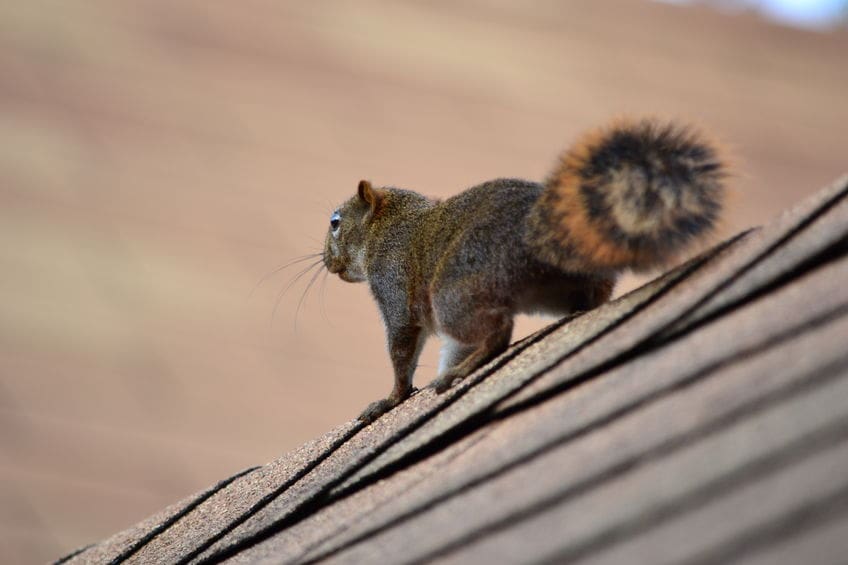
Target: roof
{"x": 700, "y": 418}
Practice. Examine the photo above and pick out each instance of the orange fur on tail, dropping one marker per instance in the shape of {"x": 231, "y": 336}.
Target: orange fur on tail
{"x": 631, "y": 195}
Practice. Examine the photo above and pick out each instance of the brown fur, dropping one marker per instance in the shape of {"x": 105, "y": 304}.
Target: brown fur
{"x": 462, "y": 268}
{"x": 630, "y": 195}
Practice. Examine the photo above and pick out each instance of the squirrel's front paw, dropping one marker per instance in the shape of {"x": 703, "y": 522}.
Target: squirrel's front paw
{"x": 376, "y": 409}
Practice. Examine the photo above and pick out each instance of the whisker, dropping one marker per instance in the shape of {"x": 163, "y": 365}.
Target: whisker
{"x": 303, "y": 296}
{"x": 288, "y": 286}
{"x": 288, "y": 264}
{"x": 323, "y": 301}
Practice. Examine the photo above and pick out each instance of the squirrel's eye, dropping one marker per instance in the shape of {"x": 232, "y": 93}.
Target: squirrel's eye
{"x": 335, "y": 220}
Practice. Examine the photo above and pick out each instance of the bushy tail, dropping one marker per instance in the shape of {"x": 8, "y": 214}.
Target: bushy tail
{"x": 631, "y": 195}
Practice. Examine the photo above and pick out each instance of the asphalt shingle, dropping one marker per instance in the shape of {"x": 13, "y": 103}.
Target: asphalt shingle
{"x": 701, "y": 418}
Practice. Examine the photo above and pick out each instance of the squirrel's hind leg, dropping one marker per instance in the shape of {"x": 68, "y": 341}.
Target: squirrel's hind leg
{"x": 453, "y": 353}
{"x": 471, "y": 339}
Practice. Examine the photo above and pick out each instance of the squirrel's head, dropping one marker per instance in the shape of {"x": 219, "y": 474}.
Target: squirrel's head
{"x": 344, "y": 248}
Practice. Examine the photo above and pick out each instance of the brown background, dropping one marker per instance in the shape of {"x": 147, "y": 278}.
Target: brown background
{"x": 158, "y": 158}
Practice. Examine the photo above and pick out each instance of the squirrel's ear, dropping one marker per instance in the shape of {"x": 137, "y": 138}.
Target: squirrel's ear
{"x": 369, "y": 194}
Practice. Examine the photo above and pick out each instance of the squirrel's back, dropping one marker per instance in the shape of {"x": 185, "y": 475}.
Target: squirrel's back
{"x": 479, "y": 229}
{"x": 630, "y": 195}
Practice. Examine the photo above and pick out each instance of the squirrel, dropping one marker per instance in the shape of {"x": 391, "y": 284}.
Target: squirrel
{"x": 631, "y": 195}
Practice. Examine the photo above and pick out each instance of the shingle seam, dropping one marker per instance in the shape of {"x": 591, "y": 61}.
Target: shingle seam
{"x": 814, "y": 514}
{"x": 731, "y": 418}
{"x": 299, "y": 559}
{"x": 812, "y": 443}
{"x": 73, "y": 554}
{"x": 163, "y": 526}
{"x": 268, "y": 498}
{"x": 318, "y": 500}
{"x": 832, "y": 436}
{"x": 680, "y": 327}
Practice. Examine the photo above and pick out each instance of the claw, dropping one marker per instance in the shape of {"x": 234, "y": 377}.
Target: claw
{"x": 443, "y": 383}
{"x": 375, "y": 410}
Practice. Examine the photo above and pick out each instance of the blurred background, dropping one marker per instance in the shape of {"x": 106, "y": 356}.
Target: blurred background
{"x": 158, "y": 159}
